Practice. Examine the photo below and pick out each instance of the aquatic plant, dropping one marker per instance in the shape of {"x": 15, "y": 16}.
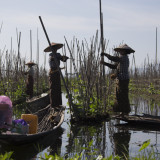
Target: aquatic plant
{"x": 143, "y": 154}
{"x": 6, "y": 156}
{"x": 89, "y": 89}
{"x": 13, "y": 79}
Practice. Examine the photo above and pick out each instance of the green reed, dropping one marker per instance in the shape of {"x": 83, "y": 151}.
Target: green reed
{"x": 13, "y": 78}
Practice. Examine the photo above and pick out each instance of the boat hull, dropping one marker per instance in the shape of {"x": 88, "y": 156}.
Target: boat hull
{"x": 20, "y": 139}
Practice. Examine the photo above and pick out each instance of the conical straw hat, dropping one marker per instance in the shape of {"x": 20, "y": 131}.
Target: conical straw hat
{"x": 30, "y": 63}
{"x": 124, "y": 47}
{"x": 57, "y": 45}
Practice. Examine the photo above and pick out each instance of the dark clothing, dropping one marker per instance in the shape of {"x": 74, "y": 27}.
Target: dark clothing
{"x": 121, "y": 142}
{"x": 55, "y": 89}
{"x": 122, "y": 100}
{"x": 122, "y": 64}
{"x": 29, "y": 86}
{"x": 55, "y": 80}
{"x": 122, "y": 81}
{"x": 30, "y": 81}
{"x": 52, "y": 64}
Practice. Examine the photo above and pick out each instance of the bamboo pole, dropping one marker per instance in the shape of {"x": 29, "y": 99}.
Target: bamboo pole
{"x": 72, "y": 58}
{"x": 156, "y": 45}
{"x": 37, "y": 63}
{"x": 18, "y": 56}
{"x": 30, "y": 46}
{"x": 102, "y": 38}
{"x": 102, "y": 67}
{"x": 1, "y": 27}
{"x": 66, "y": 67}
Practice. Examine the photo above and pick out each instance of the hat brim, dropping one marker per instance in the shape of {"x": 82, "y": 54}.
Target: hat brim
{"x": 53, "y": 45}
{"x": 129, "y": 50}
{"x": 30, "y": 64}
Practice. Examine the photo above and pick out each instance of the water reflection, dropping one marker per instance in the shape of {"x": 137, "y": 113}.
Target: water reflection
{"x": 87, "y": 139}
{"x": 147, "y": 106}
{"x": 94, "y": 140}
{"x": 112, "y": 137}
{"x": 121, "y": 142}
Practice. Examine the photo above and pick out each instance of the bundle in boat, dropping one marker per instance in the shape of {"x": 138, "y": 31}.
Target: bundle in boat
{"x": 32, "y": 120}
{"x": 5, "y": 112}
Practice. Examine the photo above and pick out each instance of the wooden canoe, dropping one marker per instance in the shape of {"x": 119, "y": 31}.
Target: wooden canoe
{"x": 144, "y": 119}
{"x": 38, "y": 102}
{"x": 49, "y": 122}
{"x": 29, "y": 151}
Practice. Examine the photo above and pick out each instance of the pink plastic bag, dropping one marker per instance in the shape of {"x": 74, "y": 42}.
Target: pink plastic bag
{"x": 5, "y": 112}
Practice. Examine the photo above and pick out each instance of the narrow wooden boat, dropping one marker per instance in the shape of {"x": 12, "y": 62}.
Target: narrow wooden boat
{"x": 38, "y": 102}
{"x": 144, "y": 119}
{"x": 49, "y": 122}
{"x": 30, "y": 150}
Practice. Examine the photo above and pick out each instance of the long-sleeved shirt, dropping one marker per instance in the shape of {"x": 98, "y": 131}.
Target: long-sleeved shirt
{"x": 59, "y": 58}
{"x": 121, "y": 65}
{"x": 52, "y": 63}
{"x": 30, "y": 71}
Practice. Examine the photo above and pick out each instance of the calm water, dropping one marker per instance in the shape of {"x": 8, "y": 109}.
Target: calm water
{"x": 99, "y": 139}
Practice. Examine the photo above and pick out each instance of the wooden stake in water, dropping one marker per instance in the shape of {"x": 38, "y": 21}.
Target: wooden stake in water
{"x": 37, "y": 63}
{"x": 156, "y": 45}
{"x": 30, "y": 45}
{"x": 102, "y": 67}
{"x": 1, "y": 27}
{"x": 102, "y": 38}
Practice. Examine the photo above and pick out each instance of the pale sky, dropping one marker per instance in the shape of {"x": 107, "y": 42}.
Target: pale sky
{"x": 131, "y": 22}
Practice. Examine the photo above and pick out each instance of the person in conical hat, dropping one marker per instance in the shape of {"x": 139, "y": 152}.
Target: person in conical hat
{"x": 121, "y": 76}
{"x": 30, "y": 79}
{"x": 54, "y": 75}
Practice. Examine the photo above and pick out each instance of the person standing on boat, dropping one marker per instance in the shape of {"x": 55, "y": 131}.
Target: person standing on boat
{"x": 54, "y": 75}
{"x": 122, "y": 77}
{"x": 30, "y": 79}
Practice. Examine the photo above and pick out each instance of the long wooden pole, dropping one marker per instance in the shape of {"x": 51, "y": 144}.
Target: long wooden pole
{"x": 18, "y": 41}
{"x": 102, "y": 57}
{"x": 37, "y": 63}
{"x": 30, "y": 45}
{"x": 1, "y": 27}
{"x": 156, "y": 45}
{"x": 19, "y": 45}
{"x": 102, "y": 37}
{"x": 56, "y": 62}
{"x": 73, "y": 60}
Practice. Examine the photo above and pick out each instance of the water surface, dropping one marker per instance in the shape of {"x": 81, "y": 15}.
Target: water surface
{"x": 110, "y": 137}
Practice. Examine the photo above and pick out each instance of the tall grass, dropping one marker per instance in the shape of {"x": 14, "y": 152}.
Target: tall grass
{"x": 147, "y": 76}
{"x": 85, "y": 80}
{"x": 90, "y": 91}
{"x": 13, "y": 78}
